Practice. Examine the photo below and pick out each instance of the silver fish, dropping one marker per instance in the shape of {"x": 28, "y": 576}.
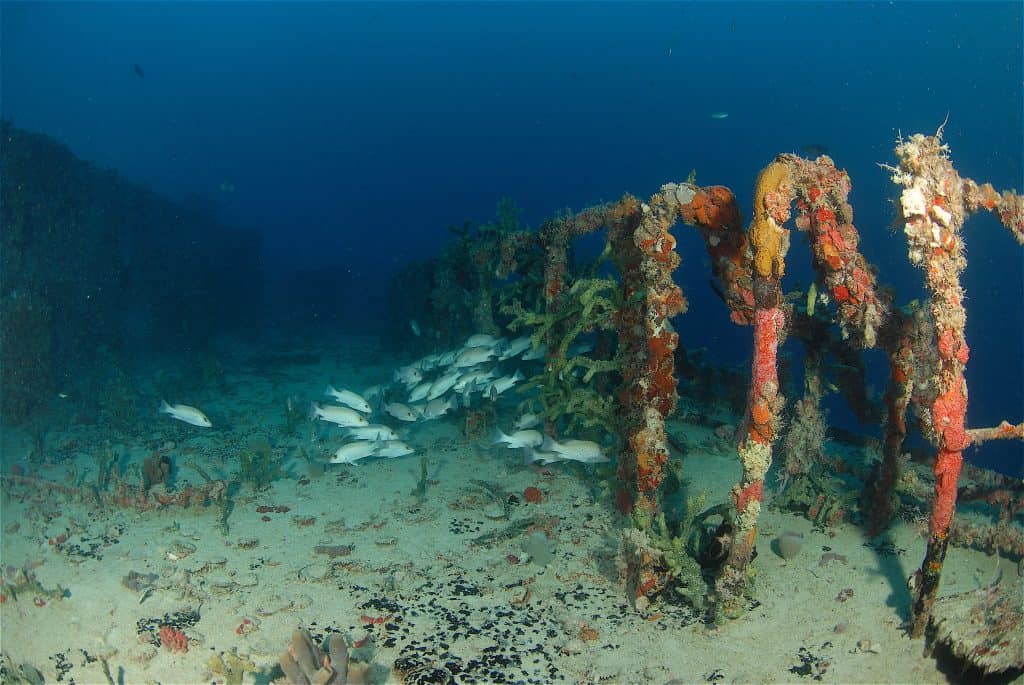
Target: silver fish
{"x": 438, "y": 407}
{"x": 481, "y": 340}
{"x": 471, "y": 356}
{"x": 401, "y": 412}
{"x": 531, "y": 456}
{"x": 372, "y": 432}
{"x": 392, "y": 449}
{"x": 584, "y": 451}
{"x": 473, "y": 380}
{"x": 185, "y": 413}
{"x": 349, "y": 399}
{"x": 443, "y": 384}
{"x": 500, "y": 385}
{"x": 522, "y": 438}
{"x": 429, "y": 363}
{"x": 343, "y": 416}
{"x": 420, "y": 391}
{"x": 409, "y": 375}
{"x": 351, "y": 452}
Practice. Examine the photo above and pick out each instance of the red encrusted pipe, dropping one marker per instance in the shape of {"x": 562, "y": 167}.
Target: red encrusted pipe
{"x": 769, "y": 243}
{"x": 933, "y": 204}
{"x": 762, "y": 421}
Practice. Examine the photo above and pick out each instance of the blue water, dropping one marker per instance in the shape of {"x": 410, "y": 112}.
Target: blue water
{"x": 351, "y": 135}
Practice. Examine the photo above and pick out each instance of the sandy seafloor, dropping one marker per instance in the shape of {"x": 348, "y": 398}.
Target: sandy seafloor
{"x": 444, "y": 598}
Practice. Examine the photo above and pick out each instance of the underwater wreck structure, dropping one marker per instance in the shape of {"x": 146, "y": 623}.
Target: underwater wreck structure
{"x": 925, "y": 346}
{"x": 623, "y": 385}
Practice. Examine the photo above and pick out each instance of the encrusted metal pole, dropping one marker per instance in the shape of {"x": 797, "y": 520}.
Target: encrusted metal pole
{"x": 769, "y": 241}
{"x": 896, "y": 338}
{"x": 645, "y": 254}
{"x": 933, "y": 206}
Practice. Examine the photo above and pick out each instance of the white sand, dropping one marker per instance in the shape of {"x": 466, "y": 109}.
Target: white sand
{"x": 413, "y": 559}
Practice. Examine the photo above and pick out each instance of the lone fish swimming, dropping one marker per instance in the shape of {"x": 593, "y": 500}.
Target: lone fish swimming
{"x": 185, "y": 413}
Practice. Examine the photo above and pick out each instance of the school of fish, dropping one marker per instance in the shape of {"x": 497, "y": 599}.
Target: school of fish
{"x": 428, "y": 389}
